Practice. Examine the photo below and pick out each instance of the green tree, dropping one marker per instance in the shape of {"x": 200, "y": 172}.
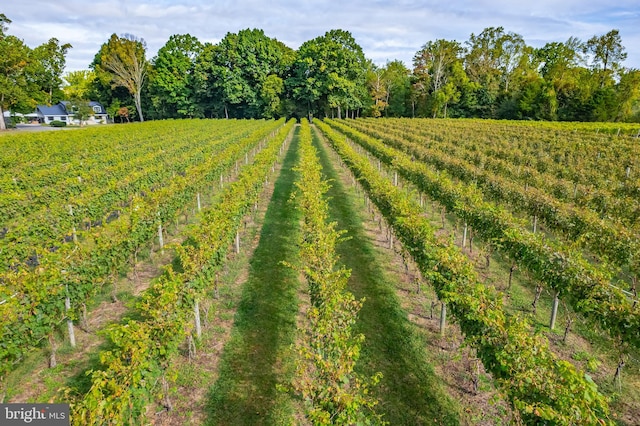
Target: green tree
{"x": 330, "y": 74}
{"x": 78, "y": 84}
{"x": 562, "y": 66}
{"x": 240, "y": 76}
{"x": 81, "y": 110}
{"x": 378, "y": 89}
{"x": 491, "y": 59}
{"x": 50, "y": 60}
{"x": 122, "y": 60}
{"x": 607, "y": 54}
{"x": 628, "y": 95}
{"x": 398, "y": 87}
{"x": 270, "y": 96}
{"x": 17, "y": 88}
{"x": 171, "y": 85}
{"x": 536, "y": 99}
{"x": 438, "y": 72}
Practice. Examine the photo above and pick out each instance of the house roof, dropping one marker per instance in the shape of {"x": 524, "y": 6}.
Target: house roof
{"x": 65, "y": 108}
{"x": 98, "y": 104}
{"x": 52, "y": 110}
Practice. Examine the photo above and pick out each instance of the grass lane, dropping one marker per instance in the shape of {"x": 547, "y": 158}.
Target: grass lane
{"x": 255, "y": 359}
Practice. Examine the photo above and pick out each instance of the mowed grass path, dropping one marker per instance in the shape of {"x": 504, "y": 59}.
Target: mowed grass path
{"x": 410, "y": 393}
{"x": 255, "y": 359}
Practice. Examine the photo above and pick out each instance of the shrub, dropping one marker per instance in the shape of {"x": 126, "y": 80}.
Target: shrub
{"x": 58, "y": 123}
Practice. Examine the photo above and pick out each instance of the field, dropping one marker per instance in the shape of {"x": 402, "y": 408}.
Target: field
{"x": 405, "y": 271}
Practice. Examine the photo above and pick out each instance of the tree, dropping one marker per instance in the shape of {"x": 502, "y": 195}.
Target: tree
{"x": 123, "y": 58}
{"x": 330, "y": 74}
{"x": 171, "y": 85}
{"x": 270, "y": 95}
{"x": 491, "y": 59}
{"x": 78, "y": 84}
{"x": 51, "y": 59}
{"x": 16, "y": 79}
{"x": 240, "y": 77}
{"x": 435, "y": 67}
{"x": 628, "y": 95}
{"x": 81, "y": 110}
{"x": 378, "y": 89}
{"x": 607, "y": 51}
{"x": 396, "y": 77}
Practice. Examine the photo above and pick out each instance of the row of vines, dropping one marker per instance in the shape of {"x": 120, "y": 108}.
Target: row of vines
{"x": 328, "y": 347}
{"x": 66, "y": 264}
{"x": 586, "y": 287}
{"x": 539, "y": 386}
{"x": 134, "y": 371}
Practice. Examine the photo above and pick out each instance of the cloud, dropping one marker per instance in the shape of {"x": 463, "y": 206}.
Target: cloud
{"x": 385, "y": 30}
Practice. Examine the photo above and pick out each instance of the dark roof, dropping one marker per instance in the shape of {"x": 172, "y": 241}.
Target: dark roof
{"x": 52, "y": 110}
{"x": 94, "y": 103}
{"x": 64, "y": 108}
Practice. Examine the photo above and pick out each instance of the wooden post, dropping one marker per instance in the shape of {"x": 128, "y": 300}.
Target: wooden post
{"x": 160, "y": 237}
{"x": 554, "y": 312}
{"x": 72, "y": 335}
{"x": 198, "y": 201}
{"x": 221, "y": 180}
{"x": 464, "y": 236}
{"x": 511, "y": 269}
{"x": 73, "y": 228}
{"x": 237, "y": 245}
{"x": 196, "y": 314}
{"x": 535, "y": 223}
{"x": 395, "y": 178}
{"x": 443, "y": 318}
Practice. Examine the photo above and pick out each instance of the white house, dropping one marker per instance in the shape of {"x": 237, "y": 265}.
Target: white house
{"x": 58, "y": 112}
{"x": 63, "y": 111}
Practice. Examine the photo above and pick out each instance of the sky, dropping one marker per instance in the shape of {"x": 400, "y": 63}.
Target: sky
{"x": 386, "y": 30}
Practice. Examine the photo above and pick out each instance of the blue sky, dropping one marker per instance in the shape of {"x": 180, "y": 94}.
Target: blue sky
{"x": 386, "y": 30}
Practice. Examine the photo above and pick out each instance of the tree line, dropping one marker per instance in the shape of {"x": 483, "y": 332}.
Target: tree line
{"x": 493, "y": 74}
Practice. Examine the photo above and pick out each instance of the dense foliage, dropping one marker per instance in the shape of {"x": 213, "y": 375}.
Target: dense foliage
{"x": 28, "y": 76}
{"x": 493, "y": 74}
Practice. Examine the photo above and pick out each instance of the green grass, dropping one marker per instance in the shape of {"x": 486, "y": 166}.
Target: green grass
{"x": 265, "y": 323}
{"x": 410, "y": 393}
